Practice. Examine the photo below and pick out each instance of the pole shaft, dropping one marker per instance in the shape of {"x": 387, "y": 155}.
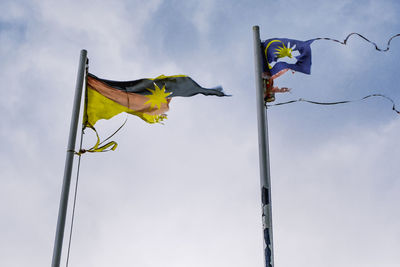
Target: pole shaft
{"x": 62, "y": 212}
{"x": 265, "y": 178}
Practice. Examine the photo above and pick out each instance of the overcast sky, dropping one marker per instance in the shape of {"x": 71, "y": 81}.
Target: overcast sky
{"x": 187, "y": 193}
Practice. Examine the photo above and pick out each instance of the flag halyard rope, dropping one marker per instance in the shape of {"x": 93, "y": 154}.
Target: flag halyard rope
{"x": 74, "y": 202}
{"x": 76, "y": 181}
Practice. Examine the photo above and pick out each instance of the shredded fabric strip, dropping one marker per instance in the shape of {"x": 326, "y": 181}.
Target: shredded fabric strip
{"x": 336, "y": 102}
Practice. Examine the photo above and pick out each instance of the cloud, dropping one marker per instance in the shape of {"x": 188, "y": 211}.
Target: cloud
{"x": 187, "y": 192}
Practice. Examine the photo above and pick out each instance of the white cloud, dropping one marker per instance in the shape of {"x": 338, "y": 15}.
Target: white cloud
{"x": 187, "y": 193}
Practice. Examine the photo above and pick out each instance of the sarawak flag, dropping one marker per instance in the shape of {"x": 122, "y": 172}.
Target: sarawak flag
{"x": 146, "y": 98}
{"x": 283, "y": 54}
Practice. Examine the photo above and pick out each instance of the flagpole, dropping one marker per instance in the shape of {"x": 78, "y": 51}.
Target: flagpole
{"x": 62, "y": 211}
{"x": 265, "y": 176}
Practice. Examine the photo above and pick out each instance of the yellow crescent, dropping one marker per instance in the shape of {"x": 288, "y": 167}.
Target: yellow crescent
{"x": 266, "y": 49}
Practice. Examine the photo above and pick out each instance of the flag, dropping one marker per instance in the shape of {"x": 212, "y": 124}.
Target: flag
{"x": 146, "y": 98}
{"x": 282, "y": 54}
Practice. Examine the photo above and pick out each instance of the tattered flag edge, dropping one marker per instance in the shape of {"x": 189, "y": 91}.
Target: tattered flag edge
{"x": 336, "y": 102}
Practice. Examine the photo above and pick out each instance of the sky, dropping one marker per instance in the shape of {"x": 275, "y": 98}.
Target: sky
{"x": 187, "y": 193}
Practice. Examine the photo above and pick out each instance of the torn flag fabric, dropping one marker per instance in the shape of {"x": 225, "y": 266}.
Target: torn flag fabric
{"x": 282, "y": 54}
{"x": 146, "y": 98}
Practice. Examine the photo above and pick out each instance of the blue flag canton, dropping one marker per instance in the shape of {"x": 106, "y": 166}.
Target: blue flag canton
{"x": 281, "y": 54}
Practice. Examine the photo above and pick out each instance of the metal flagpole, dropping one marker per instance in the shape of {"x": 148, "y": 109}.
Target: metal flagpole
{"x": 265, "y": 176}
{"x": 62, "y": 211}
